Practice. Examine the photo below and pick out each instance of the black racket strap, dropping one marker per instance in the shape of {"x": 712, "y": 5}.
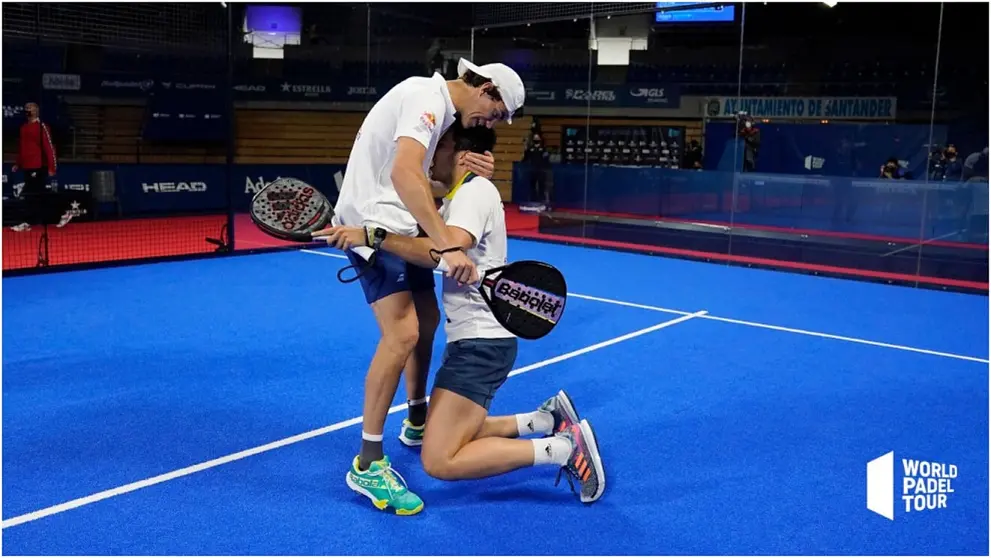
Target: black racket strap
{"x": 360, "y": 271}
{"x": 436, "y": 254}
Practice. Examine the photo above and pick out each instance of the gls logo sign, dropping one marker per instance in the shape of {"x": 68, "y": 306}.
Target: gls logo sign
{"x": 652, "y": 94}
{"x": 173, "y": 187}
{"x": 597, "y": 95}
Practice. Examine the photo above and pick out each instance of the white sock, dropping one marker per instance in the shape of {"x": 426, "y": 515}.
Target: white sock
{"x": 371, "y": 437}
{"x": 554, "y": 450}
{"x": 537, "y": 422}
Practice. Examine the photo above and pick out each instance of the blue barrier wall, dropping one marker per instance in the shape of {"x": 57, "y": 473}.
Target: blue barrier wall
{"x": 144, "y": 189}
{"x": 856, "y": 150}
{"x": 866, "y": 206}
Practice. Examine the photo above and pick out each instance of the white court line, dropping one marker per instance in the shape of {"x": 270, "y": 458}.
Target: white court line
{"x": 630, "y": 304}
{"x": 752, "y": 324}
{"x": 185, "y": 471}
{"x": 850, "y": 339}
{"x": 790, "y": 330}
{"x": 328, "y": 254}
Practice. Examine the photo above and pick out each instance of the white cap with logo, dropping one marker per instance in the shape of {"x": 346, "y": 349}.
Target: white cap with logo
{"x": 504, "y": 78}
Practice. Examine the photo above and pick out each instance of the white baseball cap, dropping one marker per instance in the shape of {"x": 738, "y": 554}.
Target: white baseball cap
{"x": 504, "y": 78}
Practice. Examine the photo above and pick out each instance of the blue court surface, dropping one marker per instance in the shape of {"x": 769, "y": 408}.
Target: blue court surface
{"x": 211, "y": 407}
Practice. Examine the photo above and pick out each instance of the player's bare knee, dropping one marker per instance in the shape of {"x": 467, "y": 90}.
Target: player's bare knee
{"x": 403, "y": 335}
{"x": 437, "y": 464}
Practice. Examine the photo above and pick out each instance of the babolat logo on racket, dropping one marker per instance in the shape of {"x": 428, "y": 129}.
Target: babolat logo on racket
{"x": 535, "y": 301}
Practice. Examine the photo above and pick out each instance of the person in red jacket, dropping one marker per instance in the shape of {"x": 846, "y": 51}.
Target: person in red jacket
{"x": 36, "y": 156}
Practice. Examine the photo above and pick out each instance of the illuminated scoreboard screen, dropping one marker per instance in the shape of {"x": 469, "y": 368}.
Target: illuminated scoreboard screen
{"x": 705, "y": 12}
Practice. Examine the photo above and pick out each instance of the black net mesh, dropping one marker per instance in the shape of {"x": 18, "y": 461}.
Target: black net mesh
{"x": 492, "y": 14}
{"x": 174, "y": 26}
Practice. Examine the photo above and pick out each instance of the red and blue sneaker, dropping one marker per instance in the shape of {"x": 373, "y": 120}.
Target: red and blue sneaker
{"x": 585, "y": 463}
{"x": 562, "y": 409}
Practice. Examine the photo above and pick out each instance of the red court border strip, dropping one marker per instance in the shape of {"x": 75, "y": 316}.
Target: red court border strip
{"x": 752, "y": 260}
{"x": 769, "y": 228}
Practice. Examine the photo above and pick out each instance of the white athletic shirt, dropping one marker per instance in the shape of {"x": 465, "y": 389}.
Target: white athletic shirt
{"x": 418, "y": 108}
{"x": 476, "y": 207}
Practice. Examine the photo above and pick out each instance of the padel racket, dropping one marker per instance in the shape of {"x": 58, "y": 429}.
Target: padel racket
{"x": 290, "y": 209}
{"x": 526, "y": 297}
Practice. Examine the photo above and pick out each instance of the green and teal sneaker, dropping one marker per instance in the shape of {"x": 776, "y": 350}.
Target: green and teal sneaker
{"x": 411, "y": 435}
{"x": 385, "y": 487}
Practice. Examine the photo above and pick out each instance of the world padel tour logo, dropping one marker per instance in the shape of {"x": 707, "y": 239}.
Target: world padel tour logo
{"x": 534, "y": 301}
{"x": 922, "y": 485}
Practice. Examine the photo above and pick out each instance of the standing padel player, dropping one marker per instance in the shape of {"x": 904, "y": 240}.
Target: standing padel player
{"x": 386, "y": 187}
{"x": 461, "y": 441}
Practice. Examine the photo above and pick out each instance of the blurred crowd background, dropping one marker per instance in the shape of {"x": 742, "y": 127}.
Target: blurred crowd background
{"x": 863, "y": 126}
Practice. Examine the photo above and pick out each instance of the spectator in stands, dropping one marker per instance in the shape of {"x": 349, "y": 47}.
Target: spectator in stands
{"x": 537, "y": 157}
{"x": 952, "y": 165}
{"x": 975, "y": 166}
{"x": 892, "y": 169}
{"x": 750, "y": 134}
{"x": 36, "y": 157}
{"x": 436, "y": 62}
{"x": 693, "y": 156}
{"x": 937, "y": 164}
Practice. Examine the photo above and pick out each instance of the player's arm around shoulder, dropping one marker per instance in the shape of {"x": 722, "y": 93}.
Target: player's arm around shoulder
{"x": 467, "y": 222}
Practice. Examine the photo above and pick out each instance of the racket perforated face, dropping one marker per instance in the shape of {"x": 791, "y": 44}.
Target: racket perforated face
{"x": 528, "y": 298}
{"x": 290, "y": 209}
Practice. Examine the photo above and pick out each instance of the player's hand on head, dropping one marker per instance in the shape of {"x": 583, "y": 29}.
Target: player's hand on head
{"x": 482, "y": 164}
{"x": 460, "y": 267}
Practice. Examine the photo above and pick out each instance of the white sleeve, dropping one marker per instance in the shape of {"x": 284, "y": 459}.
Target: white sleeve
{"x": 420, "y": 117}
{"x": 470, "y": 209}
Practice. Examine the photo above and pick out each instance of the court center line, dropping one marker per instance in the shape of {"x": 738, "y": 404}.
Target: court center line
{"x": 752, "y": 324}
{"x": 185, "y": 471}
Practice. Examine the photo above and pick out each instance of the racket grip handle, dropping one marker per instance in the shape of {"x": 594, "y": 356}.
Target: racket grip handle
{"x": 443, "y": 267}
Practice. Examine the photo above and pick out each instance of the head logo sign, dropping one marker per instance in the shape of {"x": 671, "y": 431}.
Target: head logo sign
{"x": 924, "y": 485}
{"x": 539, "y": 303}
{"x": 173, "y": 187}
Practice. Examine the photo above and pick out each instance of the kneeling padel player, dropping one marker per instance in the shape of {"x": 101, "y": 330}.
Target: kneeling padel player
{"x": 461, "y": 441}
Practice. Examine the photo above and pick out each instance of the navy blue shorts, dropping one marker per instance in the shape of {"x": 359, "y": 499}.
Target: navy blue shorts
{"x": 476, "y": 368}
{"x": 390, "y": 274}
